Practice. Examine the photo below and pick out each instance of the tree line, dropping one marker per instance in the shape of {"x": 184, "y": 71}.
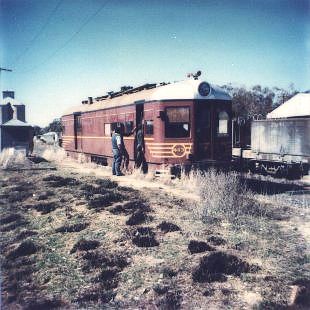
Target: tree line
{"x": 258, "y": 101}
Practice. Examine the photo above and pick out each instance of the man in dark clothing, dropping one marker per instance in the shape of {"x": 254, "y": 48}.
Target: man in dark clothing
{"x": 124, "y": 151}
{"x": 139, "y": 147}
{"x": 117, "y": 152}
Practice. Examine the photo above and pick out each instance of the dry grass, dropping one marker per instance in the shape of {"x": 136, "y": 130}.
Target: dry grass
{"x": 10, "y": 158}
{"x": 82, "y": 257}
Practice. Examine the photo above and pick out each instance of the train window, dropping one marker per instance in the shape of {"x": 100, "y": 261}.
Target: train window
{"x": 223, "y": 123}
{"x": 149, "y": 127}
{"x": 107, "y": 129}
{"x": 177, "y": 122}
{"x": 128, "y": 127}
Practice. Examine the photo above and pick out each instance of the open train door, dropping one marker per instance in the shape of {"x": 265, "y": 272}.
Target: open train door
{"x": 203, "y": 131}
{"x": 139, "y": 121}
{"x": 77, "y": 131}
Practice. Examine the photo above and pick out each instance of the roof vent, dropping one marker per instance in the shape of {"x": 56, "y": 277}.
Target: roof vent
{"x": 194, "y": 75}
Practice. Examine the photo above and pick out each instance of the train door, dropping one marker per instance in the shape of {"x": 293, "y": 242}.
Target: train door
{"x": 77, "y": 131}
{"x": 139, "y": 113}
{"x": 139, "y": 121}
{"x": 203, "y": 131}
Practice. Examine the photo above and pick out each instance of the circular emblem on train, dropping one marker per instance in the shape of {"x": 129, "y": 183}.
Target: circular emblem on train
{"x": 204, "y": 89}
{"x": 178, "y": 150}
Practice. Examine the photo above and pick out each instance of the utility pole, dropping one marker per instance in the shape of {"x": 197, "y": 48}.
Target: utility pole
{"x": 3, "y": 69}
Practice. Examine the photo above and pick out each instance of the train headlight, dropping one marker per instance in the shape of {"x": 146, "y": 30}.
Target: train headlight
{"x": 204, "y": 89}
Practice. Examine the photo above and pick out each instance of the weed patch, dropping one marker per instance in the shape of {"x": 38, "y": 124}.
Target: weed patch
{"x": 22, "y": 274}
{"x": 130, "y": 207}
{"x": 10, "y": 218}
{"x": 72, "y": 228}
{"x": 90, "y": 190}
{"x": 169, "y": 272}
{"x": 168, "y": 227}
{"x": 108, "y": 278}
{"x": 216, "y": 265}
{"x": 44, "y": 304}
{"x": 25, "y": 234}
{"x": 37, "y": 159}
{"x": 216, "y": 240}
{"x": 144, "y": 237}
{"x": 45, "y": 208}
{"x": 95, "y": 295}
{"x": 102, "y": 260}
{"x": 18, "y": 196}
{"x": 160, "y": 289}
{"x": 22, "y": 187}
{"x": 171, "y": 300}
{"x": 45, "y": 195}
{"x": 14, "y": 225}
{"x": 58, "y": 181}
{"x": 209, "y": 292}
{"x": 85, "y": 245}
{"x": 302, "y": 298}
{"x": 199, "y": 247}
{"x": 99, "y": 202}
{"x": 106, "y": 183}
{"x": 24, "y": 249}
{"x": 137, "y": 218}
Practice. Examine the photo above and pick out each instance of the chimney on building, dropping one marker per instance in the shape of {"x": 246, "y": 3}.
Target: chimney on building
{"x": 8, "y": 93}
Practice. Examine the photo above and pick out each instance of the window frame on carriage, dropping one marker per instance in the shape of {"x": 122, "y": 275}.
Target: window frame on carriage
{"x": 223, "y": 123}
{"x": 172, "y": 132}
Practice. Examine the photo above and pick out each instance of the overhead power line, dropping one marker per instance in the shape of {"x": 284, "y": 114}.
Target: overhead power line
{"x": 80, "y": 28}
{"x": 37, "y": 35}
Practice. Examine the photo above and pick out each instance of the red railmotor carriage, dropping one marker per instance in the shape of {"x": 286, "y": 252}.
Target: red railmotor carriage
{"x": 186, "y": 123}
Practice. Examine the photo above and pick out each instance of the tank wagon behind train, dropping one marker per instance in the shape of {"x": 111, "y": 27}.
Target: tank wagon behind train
{"x": 281, "y": 146}
{"x": 184, "y": 123}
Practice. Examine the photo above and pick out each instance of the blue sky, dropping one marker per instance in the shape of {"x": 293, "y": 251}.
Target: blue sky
{"x": 246, "y": 42}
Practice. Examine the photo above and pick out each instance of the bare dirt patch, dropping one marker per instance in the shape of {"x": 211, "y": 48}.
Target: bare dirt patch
{"x": 100, "y": 202}
{"x": 10, "y": 218}
{"x": 85, "y": 245}
{"x": 72, "y": 228}
{"x": 59, "y": 181}
{"x": 168, "y": 227}
{"x": 215, "y": 266}
{"x": 130, "y": 207}
{"x": 216, "y": 240}
{"x": 24, "y": 249}
{"x": 25, "y": 234}
{"x": 46, "y": 207}
{"x": 144, "y": 237}
{"x": 195, "y": 246}
{"x": 138, "y": 217}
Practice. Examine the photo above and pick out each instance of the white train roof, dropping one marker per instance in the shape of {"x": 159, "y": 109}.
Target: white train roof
{"x": 297, "y": 106}
{"x": 187, "y": 89}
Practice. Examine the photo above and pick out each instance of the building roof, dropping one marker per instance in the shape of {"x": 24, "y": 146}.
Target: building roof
{"x": 10, "y": 100}
{"x": 15, "y": 123}
{"x": 187, "y": 89}
{"x": 297, "y": 106}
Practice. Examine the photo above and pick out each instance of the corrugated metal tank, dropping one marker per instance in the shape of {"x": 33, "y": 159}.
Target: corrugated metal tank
{"x": 281, "y": 136}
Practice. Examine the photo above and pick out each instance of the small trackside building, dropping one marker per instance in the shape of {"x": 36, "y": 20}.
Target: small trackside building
{"x": 14, "y": 131}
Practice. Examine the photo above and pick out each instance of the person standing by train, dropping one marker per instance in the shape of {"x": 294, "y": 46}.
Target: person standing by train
{"x": 140, "y": 147}
{"x": 117, "y": 151}
{"x": 124, "y": 151}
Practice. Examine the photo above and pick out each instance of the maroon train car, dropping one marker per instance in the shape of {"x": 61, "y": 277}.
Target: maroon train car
{"x": 185, "y": 123}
